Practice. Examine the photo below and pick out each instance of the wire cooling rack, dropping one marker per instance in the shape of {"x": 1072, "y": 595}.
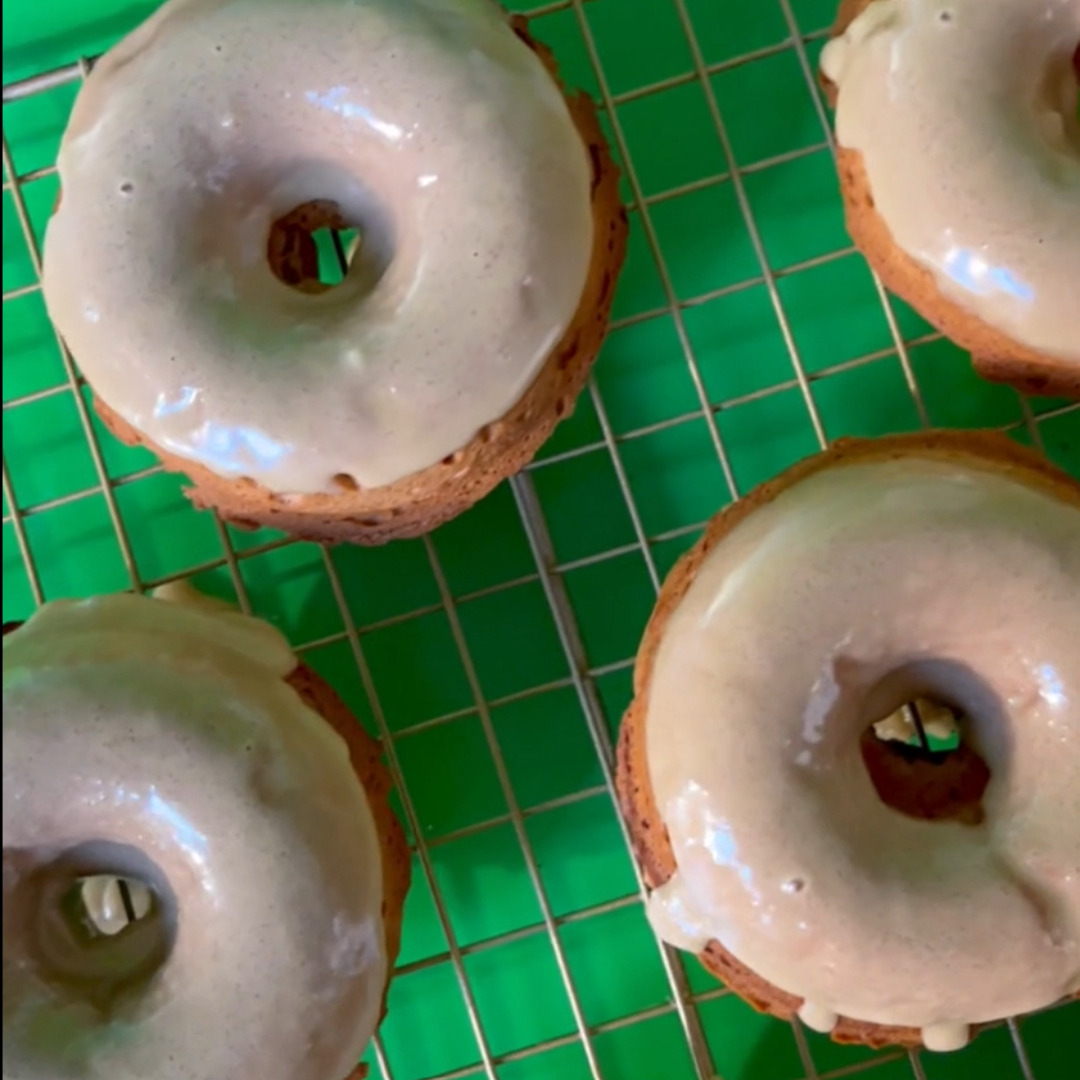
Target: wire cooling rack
{"x": 493, "y": 658}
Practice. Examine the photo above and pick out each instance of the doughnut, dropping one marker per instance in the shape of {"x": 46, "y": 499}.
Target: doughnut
{"x": 203, "y": 154}
{"x": 959, "y": 156}
{"x": 788, "y": 834}
{"x": 202, "y": 873}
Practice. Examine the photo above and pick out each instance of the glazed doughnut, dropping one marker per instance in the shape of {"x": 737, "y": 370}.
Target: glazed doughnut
{"x": 771, "y": 831}
{"x": 959, "y": 134}
{"x": 180, "y": 266}
{"x": 182, "y": 751}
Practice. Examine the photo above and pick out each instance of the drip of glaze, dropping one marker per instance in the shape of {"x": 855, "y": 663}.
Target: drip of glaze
{"x": 817, "y": 1017}
{"x": 945, "y": 1037}
{"x": 671, "y": 915}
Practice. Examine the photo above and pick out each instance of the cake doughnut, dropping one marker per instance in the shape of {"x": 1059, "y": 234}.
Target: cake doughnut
{"x": 203, "y": 877}
{"x": 181, "y": 269}
{"x": 769, "y": 818}
{"x": 958, "y": 127}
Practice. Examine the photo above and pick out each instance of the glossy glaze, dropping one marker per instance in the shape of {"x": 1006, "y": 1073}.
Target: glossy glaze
{"x": 434, "y": 129}
{"x": 166, "y": 733}
{"x": 857, "y": 589}
{"x": 965, "y": 114}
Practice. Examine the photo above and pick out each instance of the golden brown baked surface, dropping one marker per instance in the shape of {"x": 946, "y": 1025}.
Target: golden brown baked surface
{"x": 647, "y": 831}
{"x": 419, "y": 503}
{"x": 996, "y": 357}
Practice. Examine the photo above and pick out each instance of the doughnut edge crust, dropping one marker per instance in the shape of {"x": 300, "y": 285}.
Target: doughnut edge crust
{"x": 365, "y": 755}
{"x": 648, "y": 834}
{"x": 417, "y": 504}
{"x": 995, "y": 356}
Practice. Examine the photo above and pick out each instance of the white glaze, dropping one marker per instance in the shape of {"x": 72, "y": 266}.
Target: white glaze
{"x": 819, "y": 613}
{"x": 942, "y": 1037}
{"x": 169, "y": 728}
{"x": 432, "y": 126}
{"x": 965, "y": 114}
{"x": 817, "y": 1018}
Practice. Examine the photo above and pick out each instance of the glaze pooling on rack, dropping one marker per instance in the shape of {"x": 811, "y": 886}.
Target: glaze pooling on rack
{"x": 965, "y": 114}
{"x": 430, "y": 127}
{"x": 858, "y": 589}
{"x": 158, "y": 740}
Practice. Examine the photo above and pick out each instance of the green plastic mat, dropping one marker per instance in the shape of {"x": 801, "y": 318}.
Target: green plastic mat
{"x": 495, "y": 657}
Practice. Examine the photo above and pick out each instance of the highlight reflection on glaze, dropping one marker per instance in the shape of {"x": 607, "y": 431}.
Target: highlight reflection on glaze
{"x": 439, "y": 135}
{"x": 855, "y": 590}
{"x": 965, "y": 114}
{"x": 973, "y": 273}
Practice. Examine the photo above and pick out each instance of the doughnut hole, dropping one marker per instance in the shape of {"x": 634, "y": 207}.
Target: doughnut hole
{"x": 94, "y": 923}
{"x": 918, "y": 756}
{"x": 311, "y": 247}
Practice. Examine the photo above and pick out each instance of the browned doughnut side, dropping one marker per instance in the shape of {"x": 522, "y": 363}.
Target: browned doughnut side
{"x": 652, "y": 847}
{"x": 365, "y": 756}
{"x": 420, "y": 502}
{"x": 996, "y": 356}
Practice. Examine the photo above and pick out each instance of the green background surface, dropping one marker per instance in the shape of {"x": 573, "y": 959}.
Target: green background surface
{"x": 495, "y": 656}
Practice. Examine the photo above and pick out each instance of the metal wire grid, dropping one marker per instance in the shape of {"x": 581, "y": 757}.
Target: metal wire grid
{"x": 550, "y": 573}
